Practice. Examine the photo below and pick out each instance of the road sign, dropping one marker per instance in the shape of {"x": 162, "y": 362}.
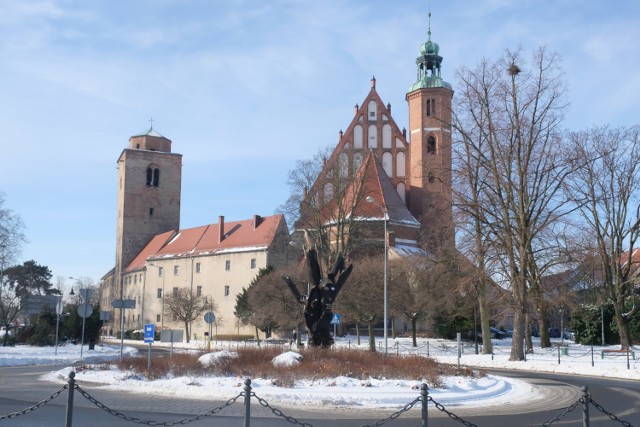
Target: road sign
{"x": 335, "y": 320}
{"x": 149, "y": 332}
{"x": 209, "y": 317}
{"x": 59, "y": 306}
{"x": 85, "y": 310}
{"x": 123, "y": 303}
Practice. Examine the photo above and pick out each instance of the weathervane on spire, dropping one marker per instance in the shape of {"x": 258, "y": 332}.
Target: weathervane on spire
{"x": 151, "y": 121}
{"x": 429, "y": 24}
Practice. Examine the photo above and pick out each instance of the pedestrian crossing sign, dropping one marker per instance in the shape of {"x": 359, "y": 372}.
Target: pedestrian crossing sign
{"x": 335, "y": 320}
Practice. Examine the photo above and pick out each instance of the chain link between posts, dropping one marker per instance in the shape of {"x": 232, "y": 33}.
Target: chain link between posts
{"x": 183, "y": 421}
{"x": 451, "y": 415}
{"x": 36, "y": 406}
{"x": 395, "y": 415}
{"x": 277, "y": 412}
{"x": 562, "y": 414}
{"x": 609, "y": 414}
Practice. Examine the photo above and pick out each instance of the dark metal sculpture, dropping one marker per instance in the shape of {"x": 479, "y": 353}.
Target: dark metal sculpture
{"x": 322, "y": 293}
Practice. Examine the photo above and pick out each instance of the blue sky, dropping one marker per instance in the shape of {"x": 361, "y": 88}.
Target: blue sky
{"x": 244, "y": 89}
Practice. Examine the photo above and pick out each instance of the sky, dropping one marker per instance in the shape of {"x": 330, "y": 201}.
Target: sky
{"x": 343, "y": 392}
{"x": 244, "y": 89}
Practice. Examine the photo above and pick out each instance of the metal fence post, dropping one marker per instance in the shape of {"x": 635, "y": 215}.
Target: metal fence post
{"x": 247, "y": 402}
{"x": 585, "y": 406}
{"x": 424, "y": 392}
{"x": 558, "y": 355}
{"x": 72, "y": 386}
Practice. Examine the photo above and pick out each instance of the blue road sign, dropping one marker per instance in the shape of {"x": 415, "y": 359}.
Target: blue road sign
{"x": 335, "y": 320}
{"x": 149, "y": 332}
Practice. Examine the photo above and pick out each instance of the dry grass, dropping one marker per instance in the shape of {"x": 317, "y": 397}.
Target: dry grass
{"x": 317, "y": 364}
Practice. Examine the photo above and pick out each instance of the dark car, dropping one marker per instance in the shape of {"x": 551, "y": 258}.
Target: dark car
{"x": 554, "y": 333}
{"x": 497, "y": 333}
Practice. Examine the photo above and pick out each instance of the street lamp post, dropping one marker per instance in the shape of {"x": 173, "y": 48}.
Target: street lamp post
{"x": 84, "y": 294}
{"x": 370, "y": 199}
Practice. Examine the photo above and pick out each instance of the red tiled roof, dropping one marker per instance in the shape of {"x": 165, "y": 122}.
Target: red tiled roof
{"x": 376, "y": 183}
{"x": 205, "y": 239}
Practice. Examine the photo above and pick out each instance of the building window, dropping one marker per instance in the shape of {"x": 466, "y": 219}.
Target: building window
{"x": 227, "y": 265}
{"x": 156, "y": 177}
{"x": 197, "y": 267}
{"x": 159, "y": 292}
{"x": 198, "y": 291}
{"x": 150, "y": 211}
{"x": 253, "y": 263}
{"x": 160, "y": 271}
{"x": 149, "y": 177}
{"x": 176, "y": 270}
{"x": 175, "y": 291}
{"x": 431, "y": 145}
{"x": 157, "y": 318}
{"x": 226, "y": 291}
{"x": 135, "y": 279}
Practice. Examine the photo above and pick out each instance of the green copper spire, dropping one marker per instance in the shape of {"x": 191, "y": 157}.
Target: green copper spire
{"x": 429, "y": 63}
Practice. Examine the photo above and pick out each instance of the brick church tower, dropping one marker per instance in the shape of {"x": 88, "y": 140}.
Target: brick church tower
{"x": 429, "y": 100}
{"x": 149, "y": 186}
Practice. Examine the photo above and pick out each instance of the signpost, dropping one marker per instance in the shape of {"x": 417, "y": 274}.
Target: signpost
{"x": 58, "y": 313}
{"x": 209, "y": 317}
{"x": 122, "y": 304}
{"x": 149, "y": 336}
{"x": 335, "y": 320}
{"x": 85, "y": 309}
{"x": 171, "y": 335}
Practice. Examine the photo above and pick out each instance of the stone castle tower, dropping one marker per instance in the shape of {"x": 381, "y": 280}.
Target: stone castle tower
{"x": 429, "y": 100}
{"x": 149, "y": 186}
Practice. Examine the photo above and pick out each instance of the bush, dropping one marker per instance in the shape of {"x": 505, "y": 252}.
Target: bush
{"x": 586, "y": 322}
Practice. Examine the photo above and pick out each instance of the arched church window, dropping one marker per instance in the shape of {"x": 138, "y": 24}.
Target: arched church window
{"x": 387, "y": 163}
{"x": 431, "y": 145}
{"x": 328, "y": 192}
{"x": 343, "y": 165}
{"x": 357, "y": 136}
{"x": 373, "y": 107}
{"x": 156, "y": 177}
{"x": 386, "y": 136}
{"x": 400, "y": 164}
{"x": 373, "y": 136}
{"x": 357, "y": 162}
{"x": 149, "y": 177}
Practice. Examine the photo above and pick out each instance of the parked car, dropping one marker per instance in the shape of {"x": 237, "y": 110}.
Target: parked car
{"x": 554, "y": 333}
{"x": 497, "y": 333}
{"x": 569, "y": 334}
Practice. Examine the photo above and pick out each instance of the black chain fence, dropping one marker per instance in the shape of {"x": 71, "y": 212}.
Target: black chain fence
{"x": 584, "y": 402}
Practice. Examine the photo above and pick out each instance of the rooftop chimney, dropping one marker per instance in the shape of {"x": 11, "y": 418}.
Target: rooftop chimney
{"x": 257, "y": 219}
{"x": 220, "y": 228}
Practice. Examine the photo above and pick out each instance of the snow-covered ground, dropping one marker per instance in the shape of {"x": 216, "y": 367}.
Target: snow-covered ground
{"x": 366, "y": 393}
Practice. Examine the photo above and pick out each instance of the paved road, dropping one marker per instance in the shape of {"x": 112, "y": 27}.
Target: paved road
{"x": 20, "y": 387}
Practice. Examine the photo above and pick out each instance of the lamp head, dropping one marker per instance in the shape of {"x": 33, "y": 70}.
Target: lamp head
{"x": 370, "y": 199}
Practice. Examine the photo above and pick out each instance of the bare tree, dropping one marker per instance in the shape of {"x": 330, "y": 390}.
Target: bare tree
{"x": 606, "y": 187}
{"x": 185, "y": 305}
{"x": 325, "y": 194}
{"x": 273, "y": 305}
{"x": 510, "y": 117}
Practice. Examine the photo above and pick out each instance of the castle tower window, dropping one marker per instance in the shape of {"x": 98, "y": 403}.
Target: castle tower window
{"x": 150, "y": 211}
{"x": 156, "y": 177}
{"x": 149, "y": 177}
{"x": 431, "y": 145}
{"x": 428, "y": 107}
